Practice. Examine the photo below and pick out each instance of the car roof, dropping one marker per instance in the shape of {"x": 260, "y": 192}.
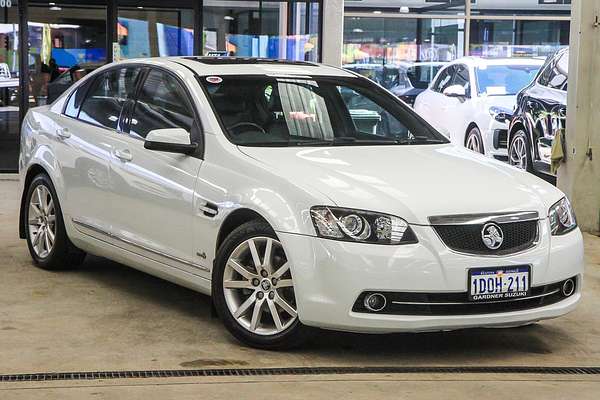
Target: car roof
{"x": 481, "y": 61}
{"x": 253, "y": 66}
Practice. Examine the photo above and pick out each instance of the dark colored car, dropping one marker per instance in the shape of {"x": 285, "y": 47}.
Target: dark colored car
{"x": 540, "y": 113}
{"x": 68, "y": 78}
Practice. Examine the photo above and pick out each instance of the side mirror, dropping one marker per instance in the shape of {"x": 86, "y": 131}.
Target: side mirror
{"x": 455, "y": 91}
{"x": 172, "y": 140}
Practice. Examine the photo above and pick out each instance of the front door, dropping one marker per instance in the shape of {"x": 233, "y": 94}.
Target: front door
{"x": 153, "y": 191}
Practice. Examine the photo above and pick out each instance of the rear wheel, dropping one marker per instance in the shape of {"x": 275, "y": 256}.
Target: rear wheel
{"x": 473, "y": 141}
{"x": 253, "y": 289}
{"x": 519, "y": 154}
{"x": 45, "y": 231}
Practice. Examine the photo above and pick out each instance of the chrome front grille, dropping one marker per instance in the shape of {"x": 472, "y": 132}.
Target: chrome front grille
{"x": 464, "y": 233}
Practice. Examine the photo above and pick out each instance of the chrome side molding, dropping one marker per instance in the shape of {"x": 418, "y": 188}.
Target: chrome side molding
{"x": 129, "y": 242}
{"x": 476, "y": 219}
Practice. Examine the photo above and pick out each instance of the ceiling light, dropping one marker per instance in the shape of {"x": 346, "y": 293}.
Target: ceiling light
{"x": 376, "y": 12}
{"x": 404, "y": 10}
{"x": 55, "y": 8}
{"x": 228, "y": 18}
{"x": 357, "y": 30}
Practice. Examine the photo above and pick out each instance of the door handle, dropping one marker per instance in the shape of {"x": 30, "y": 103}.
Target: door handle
{"x": 63, "y": 133}
{"x": 123, "y": 155}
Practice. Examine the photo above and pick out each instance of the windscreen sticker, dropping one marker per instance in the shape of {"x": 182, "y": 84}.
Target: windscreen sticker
{"x": 214, "y": 79}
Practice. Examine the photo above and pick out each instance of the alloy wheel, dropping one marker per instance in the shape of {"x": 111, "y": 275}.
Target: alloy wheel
{"x": 258, "y": 287}
{"x": 518, "y": 152}
{"x": 473, "y": 142}
{"x": 42, "y": 221}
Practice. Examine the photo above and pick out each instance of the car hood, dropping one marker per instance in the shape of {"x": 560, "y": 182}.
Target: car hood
{"x": 413, "y": 182}
{"x": 507, "y": 102}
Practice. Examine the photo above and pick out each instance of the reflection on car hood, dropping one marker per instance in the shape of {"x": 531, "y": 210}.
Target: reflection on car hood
{"x": 413, "y": 182}
{"x": 507, "y": 102}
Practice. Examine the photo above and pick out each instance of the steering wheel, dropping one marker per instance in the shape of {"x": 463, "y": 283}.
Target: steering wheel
{"x": 244, "y": 127}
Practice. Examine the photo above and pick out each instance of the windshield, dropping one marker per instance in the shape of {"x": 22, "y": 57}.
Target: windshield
{"x": 421, "y": 75}
{"x": 269, "y": 111}
{"x": 504, "y": 80}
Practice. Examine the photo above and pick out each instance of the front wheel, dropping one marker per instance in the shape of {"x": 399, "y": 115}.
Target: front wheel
{"x": 45, "y": 231}
{"x": 519, "y": 154}
{"x": 253, "y": 289}
{"x": 474, "y": 141}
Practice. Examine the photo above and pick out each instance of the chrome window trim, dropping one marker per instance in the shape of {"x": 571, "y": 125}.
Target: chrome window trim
{"x": 476, "y": 219}
{"x": 136, "y": 245}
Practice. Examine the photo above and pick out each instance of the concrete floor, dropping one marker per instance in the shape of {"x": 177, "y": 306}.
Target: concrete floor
{"x": 105, "y": 316}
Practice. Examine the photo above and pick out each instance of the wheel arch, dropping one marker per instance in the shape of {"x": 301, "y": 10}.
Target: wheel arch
{"x": 235, "y": 219}
{"x": 33, "y": 171}
{"x": 517, "y": 125}
{"x": 466, "y": 136}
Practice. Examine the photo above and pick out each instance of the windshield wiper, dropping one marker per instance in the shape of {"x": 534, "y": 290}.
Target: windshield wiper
{"x": 421, "y": 140}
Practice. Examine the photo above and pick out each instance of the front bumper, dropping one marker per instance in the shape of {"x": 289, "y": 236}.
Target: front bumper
{"x": 495, "y": 140}
{"x": 330, "y": 275}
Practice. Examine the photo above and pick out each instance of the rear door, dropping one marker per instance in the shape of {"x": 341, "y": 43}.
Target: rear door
{"x": 153, "y": 191}
{"x": 86, "y": 133}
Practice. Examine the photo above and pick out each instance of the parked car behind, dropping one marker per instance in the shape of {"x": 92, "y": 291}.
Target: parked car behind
{"x": 540, "y": 113}
{"x": 420, "y": 75}
{"x": 471, "y": 101}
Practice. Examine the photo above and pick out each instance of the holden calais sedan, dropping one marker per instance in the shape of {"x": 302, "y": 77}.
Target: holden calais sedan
{"x": 254, "y": 181}
{"x": 472, "y": 101}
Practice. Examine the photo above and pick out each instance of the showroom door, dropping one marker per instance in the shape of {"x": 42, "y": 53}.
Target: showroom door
{"x": 154, "y": 190}
{"x": 9, "y": 87}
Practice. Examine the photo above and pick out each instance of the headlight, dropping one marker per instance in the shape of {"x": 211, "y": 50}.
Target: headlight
{"x": 361, "y": 226}
{"x": 562, "y": 217}
{"x": 500, "y": 114}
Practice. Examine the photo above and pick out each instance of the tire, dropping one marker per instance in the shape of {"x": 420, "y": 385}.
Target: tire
{"x": 253, "y": 296}
{"x": 519, "y": 151}
{"x": 473, "y": 141}
{"x": 47, "y": 253}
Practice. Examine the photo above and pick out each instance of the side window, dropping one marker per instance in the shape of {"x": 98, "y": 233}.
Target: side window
{"x": 555, "y": 75}
{"x": 560, "y": 78}
{"x": 444, "y": 80}
{"x": 76, "y": 99}
{"x": 462, "y": 78}
{"x": 370, "y": 118}
{"x": 106, "y": 97}
{"x": 162, "y": 104}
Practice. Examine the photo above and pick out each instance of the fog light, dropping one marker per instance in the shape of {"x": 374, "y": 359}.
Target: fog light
{"x": 568, "y": 287}
{"x": 375, "y": 302}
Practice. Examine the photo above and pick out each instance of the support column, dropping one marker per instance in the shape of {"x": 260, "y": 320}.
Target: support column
{"x": 579, "y": 177}
{"x": 333, "y": 32}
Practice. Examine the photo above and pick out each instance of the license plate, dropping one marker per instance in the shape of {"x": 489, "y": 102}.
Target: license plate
{"x": 490, "y": 284}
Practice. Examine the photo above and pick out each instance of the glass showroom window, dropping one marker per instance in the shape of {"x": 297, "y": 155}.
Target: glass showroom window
{"x": 155, "y": 32}
{"x": 63, "y": 38}
{"x": 548, "y": 8}
{"x": 9, "y": 88}
{"x": 271, "y": 29}
{"x": 517, "y": 38}
{"x": 384, "y": 48}
{"x": 430, "y": 7}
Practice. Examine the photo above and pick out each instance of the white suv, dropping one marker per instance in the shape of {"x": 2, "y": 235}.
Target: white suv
{"x": 297, "y": 195}
{"x": 472, "y": 99}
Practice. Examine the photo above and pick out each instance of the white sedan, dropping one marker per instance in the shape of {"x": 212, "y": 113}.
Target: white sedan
{"x": 471, "y": 101}
{"x": 296, "y": 195}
